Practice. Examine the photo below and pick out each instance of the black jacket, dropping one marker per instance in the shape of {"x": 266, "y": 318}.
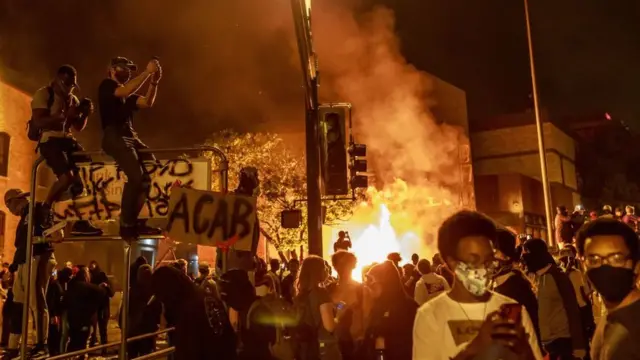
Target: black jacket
{"x": 203, "y": 330}
{"x": 82, "y": 301}
{"x": 99, "y": 277}
{"x": 55, "y": 295}
{"x": 20, "y": 255}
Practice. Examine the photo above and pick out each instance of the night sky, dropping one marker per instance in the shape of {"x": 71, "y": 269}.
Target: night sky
{"x": 223, "y": 68}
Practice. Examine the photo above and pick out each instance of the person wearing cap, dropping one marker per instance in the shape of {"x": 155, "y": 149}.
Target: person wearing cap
{"x": 17, "y": 201}
{"x": 205, "y": 270}
{"x": 118, "y": 102}
{"x": 55, "y": 112}
{"x": 607, "y": 212}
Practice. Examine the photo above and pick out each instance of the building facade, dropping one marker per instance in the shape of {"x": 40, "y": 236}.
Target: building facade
{"x": 16, "y": 157}
{"x": 508, "y": 175}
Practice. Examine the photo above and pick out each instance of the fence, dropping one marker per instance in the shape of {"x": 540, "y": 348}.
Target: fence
{"x": 223, "y": 171}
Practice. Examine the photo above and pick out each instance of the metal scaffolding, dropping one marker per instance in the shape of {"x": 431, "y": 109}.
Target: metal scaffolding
{"x": 224, "y": 179}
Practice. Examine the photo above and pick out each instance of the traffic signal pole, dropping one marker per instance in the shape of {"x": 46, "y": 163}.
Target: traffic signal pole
{"x": 314, "y": 200}
{"x": 302, "y": 21}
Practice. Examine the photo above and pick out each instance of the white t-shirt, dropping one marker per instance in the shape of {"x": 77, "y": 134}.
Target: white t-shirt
{"x": 444, "y": 327}
{"x": 40, "y": 100}
{"x": 429, "y": 286}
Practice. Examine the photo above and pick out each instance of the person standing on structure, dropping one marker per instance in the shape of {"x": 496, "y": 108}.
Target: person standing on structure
{"x": 55, "y": 112}
{"x": 17, "y": 201}
{"x": 118, "y": 102}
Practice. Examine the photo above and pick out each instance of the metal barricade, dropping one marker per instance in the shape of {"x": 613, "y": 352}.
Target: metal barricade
{"x": 224, "y": 179}
{"x": 156, "y": 354}
{"x": 113, "y": 344}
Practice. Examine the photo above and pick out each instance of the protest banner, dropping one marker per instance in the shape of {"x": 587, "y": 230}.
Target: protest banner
{"x": 104, "y": 182}
{"x": 211, "y": 218}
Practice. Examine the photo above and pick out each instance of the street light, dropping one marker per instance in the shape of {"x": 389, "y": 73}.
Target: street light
{"x": 540, "y": 130}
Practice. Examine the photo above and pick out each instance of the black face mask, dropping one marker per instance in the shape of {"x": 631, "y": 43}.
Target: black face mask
{"x": 534, "y": 262}
{"x": 122, "y": 76}
{"x": 613, "y": 283}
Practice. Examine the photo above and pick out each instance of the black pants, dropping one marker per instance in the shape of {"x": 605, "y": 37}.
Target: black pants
{"x": 100, "y": 326}
{"x": 560, "y": 349}
{"x": 78, "y": 337}
{"x": 123, "y": 146}
{"x": 141, "y": 347}
{"x": 6, "y": 322}
{"x": 53, "y": 341}
{"x": 57, "y": 154}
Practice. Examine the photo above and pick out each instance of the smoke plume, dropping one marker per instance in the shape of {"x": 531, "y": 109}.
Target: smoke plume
{"x": 416, "y": 158}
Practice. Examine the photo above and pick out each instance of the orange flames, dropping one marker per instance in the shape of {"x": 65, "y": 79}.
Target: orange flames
{"x": 400, "y": 218}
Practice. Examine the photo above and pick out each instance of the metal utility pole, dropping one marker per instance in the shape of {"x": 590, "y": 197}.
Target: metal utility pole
{"x": 302, "y": 20}
{"x": 539, "y": 127}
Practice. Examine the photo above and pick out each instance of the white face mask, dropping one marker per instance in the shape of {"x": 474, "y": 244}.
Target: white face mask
{"x": 476, "y": 280}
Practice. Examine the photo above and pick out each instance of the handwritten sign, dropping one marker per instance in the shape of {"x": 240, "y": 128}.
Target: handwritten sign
{"x": 211, "y": 219}
{"x": 104, "y": 183}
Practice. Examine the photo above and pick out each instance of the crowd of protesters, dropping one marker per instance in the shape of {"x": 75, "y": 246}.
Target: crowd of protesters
{"x": 459, "y": 304}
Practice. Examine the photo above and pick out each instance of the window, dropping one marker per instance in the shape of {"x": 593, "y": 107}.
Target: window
{"x": 4, "y": 153}
{"x": 3, "y": 218}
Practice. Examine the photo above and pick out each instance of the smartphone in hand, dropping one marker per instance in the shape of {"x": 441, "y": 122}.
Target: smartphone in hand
{"x": 512, "y": 312}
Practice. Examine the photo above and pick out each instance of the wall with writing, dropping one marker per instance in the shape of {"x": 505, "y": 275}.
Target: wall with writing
{"x": 104, "y": 183}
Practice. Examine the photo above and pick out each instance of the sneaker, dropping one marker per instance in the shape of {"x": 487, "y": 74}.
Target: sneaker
{"x": 48, "y": 232}
{"x": 144, "y": 230}
{"x": 11, "y": 354}
{"x": 38, "y": 351}
{"x": 128, "y": 233}
{"x": 85, "y": 228}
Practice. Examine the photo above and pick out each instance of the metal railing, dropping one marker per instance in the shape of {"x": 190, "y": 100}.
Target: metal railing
{"x": 224, "y": 179}
{"x": 110, "y": 345}
{"x": 156, "y": 354}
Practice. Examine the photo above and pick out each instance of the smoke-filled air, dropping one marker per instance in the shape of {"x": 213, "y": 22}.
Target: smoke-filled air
{"x": 417, "y": 163}
{"x": 234, "y": 63}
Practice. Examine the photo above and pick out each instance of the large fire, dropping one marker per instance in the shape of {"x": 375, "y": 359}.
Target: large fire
{"x": 379, "y": 240}
{"x": 400, "y": 218}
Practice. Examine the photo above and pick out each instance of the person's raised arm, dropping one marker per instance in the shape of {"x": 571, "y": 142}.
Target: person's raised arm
{"x": 147, "y": 101}
{"x": 133, "y": 85}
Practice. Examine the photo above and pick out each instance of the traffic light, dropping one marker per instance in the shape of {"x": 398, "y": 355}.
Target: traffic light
{"x": 333, "y": 148}
{"x": 358, "y": 165}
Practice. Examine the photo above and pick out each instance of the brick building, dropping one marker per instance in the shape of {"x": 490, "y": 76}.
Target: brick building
{"x": 507, "y": 170}
{"x": 16, "y": 157}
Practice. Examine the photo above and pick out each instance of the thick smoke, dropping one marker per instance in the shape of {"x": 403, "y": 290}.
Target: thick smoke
{"x": 362, "y": 60}
{"x": 415, "y": 157}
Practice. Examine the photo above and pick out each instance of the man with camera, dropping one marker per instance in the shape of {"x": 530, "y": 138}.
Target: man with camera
{"x": 55, "y": 112}
{"x": 118, "y": 102}
{"x": 343, "y": 242}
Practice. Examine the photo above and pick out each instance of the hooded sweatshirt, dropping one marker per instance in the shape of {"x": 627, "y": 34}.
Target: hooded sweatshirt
{"x": 82, "y": 301}
{"x": 144, "y": 315}
{"x": 203, "y": 330}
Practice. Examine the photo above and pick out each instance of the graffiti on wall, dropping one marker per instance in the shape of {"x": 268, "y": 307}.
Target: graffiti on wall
{"x": 104, "y": 183}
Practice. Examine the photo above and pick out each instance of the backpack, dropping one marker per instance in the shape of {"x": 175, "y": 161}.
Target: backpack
{"x": 283, "y": 348}
{"x": 34, "y": 132}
